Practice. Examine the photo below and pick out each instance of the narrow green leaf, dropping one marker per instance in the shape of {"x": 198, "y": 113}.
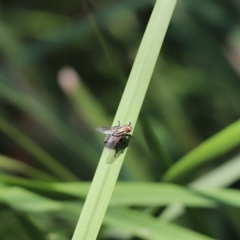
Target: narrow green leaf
{"x": 135, "y": 194}
{"x": 145, "y": 226}
{"x": 106, "y": 175}
{"x": 10, "y": 164}
{"x": 155, "y": 194}
{"x": 222, "y": 176}
{"x": 226, "y": 196}
{"x": 47, "y": 160}
{"x": 46, "y": 117}
{"x": 130, "y": 221}
{"x": 25, "y": 200}
{"x": 214, "y": 147}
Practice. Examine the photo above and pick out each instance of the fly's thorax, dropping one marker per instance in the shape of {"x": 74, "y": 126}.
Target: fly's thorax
{"x": 121, "y": 131}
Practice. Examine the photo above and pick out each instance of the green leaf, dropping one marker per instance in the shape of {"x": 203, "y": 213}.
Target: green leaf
{"x": 42, "y": 156}
{"x": 46, "y": 117}
{"x": 147, "y": 227}
{"x": 10, "y": 164}
{"x": 214, "y": 147}
{"x": 135, "y": 194}
{"x": 222, "y": 176}
{"x": 106, "y": 175}
{"x": 24, "y": 200}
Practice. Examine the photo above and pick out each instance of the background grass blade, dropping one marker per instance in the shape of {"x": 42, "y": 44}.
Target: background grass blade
{"x": 44, "y": 116}
{"x": 222, "y": 176}
{"x": 106, "y": 175}
{"x": 13, "y": 165}
{"x": 147, "y": 227}
{"x": 42, "y": 156}
{"x": 215, "y": 146}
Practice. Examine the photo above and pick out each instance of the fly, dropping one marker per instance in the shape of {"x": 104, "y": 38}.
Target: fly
{"x": 114, "y": 135}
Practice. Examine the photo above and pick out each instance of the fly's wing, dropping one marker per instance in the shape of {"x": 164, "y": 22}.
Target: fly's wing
{"x": 112, "y": 141}
{"x": 107, "y": 138}
{"x": 105, "y": 130}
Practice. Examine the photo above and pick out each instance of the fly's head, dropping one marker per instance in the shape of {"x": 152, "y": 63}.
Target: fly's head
{"x": 128, "y": 128}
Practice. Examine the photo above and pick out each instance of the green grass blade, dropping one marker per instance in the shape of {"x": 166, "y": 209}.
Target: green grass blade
{"x": 131, "y": 221}
{"x": 229, "y": 197}
{"x": 125, "y": 193}
{"x": 24, "y": 200}
{"x": 222, "y": 176}
{"x": 106, "y": 175}
{"x": 44, "y": 116}
{"x": 47, "y": 160}
{"x": 81, "y": 98}
{"x": 216, "y": 146}
{"x": 12, "y": 165}
{"x": 148, "y": 227}
{"x": 134, "y": 194}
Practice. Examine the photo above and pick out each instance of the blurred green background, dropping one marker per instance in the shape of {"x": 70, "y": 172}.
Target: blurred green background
{"x": 63, "y": 68}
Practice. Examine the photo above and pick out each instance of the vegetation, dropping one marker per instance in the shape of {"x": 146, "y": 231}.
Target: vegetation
{"x": 63, "y": 71}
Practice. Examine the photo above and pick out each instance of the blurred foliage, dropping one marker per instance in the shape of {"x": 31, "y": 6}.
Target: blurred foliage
{"x": 63, "y": 68}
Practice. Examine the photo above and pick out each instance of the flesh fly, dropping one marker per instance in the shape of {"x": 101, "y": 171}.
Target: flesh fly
{"x": 115, "y": 136}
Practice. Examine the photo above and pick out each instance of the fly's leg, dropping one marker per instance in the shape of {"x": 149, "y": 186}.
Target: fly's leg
{"x": 129, "y": 135}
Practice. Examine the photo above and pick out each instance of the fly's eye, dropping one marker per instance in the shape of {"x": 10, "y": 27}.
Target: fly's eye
{"x": 128, "y": 129}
